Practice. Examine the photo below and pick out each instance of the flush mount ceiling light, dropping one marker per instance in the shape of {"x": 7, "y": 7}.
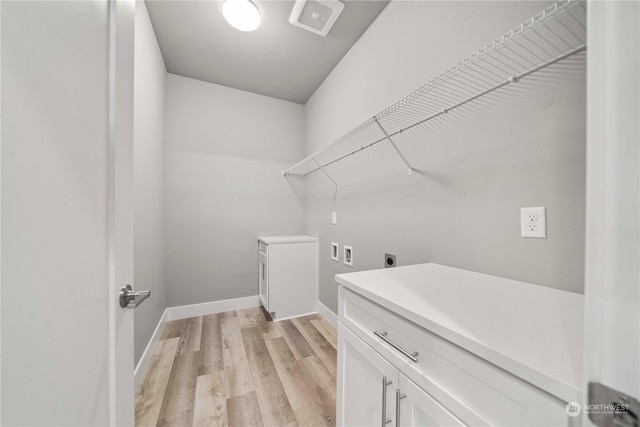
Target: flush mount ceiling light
{"x": 241, "y": 14}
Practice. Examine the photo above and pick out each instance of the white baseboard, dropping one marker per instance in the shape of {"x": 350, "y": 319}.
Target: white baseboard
{"x": 145, "y": 360}
{"x": 329, "y": 315}
{"x": 184, "y": 312}
{"x": 213, "y": 307}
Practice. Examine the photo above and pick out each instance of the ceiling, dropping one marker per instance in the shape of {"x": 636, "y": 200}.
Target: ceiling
{"x": 278, "y": 59}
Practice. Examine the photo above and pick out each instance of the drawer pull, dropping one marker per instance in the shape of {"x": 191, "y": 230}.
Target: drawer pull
{"x": 385, "y": 384}
{"x": 383, "y": 335}
{"x": 399, "y": 396}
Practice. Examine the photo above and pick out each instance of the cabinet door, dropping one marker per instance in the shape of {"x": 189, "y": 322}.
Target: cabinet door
{"x": 263, "y": 279}
{"x": 415, "y": 407}
{"x": 361, "y": 393}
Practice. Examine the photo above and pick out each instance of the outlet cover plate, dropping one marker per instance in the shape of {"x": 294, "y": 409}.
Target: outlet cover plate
{"x": 335, "y": 253}
{"x": 334, "y": 218}
{"x": 389, "y": 260}
{"x": 348, "y": 255}
{"x": 533, "y": 222}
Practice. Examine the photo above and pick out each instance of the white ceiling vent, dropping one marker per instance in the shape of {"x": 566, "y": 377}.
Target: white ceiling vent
{"x": 317, "y": 16}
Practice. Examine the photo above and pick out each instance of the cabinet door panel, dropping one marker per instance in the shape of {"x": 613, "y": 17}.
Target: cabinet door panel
{"x": 360, "y": 377}
{"x": 418, "y": 408}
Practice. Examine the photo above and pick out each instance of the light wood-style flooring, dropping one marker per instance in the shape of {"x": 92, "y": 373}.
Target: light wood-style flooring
{"x": 238, "y": 369}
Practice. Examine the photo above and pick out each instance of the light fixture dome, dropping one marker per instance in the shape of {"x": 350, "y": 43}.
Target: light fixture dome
{"x": 241, "y": 14}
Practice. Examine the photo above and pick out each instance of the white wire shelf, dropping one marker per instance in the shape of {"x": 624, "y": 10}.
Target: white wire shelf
{"x": 553, "y": 34}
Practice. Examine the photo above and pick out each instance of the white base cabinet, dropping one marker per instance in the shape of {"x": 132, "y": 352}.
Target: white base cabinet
{"x": 288, "y": 275}
{"x": 437, "y": 373}
{"x": 371, "y": 391}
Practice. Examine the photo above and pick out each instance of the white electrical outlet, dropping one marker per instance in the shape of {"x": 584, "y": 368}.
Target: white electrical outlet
{"x": 533, "y": 222}
{"x": 334, "y": 218}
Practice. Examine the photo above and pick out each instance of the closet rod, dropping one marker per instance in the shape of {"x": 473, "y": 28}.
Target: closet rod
{"x": 512, "y": 79}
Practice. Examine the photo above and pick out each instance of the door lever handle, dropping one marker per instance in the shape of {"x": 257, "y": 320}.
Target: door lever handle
{"x": 130, "y": 298}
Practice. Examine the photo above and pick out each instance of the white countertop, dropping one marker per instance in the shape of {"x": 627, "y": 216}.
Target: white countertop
{"x": 532, "y": 331}
{"x": 272, "y": 240}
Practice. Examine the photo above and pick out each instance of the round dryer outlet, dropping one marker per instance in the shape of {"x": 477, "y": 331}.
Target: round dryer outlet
{"x": 389, "y": 260}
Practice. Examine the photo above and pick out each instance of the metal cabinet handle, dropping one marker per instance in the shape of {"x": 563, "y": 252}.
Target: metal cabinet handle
{"x": 130, "y": 298}
{"x": 399, "y": 396}
{"x": 385, "y": 384}
{"x": 412, "y": 356}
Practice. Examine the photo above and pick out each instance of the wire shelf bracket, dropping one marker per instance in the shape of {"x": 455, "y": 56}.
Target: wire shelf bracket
{"x": 325, "y": 172}
{"x": 393, "y": 144}
{"x": 550, "y": 36}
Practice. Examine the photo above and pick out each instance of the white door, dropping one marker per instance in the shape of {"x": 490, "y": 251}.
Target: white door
{"x": 66, "y": 225}
{"x": 366, "y": 380}
{"x": 417, "y": 408}
{"x": 612, "y": 279}
{"x": 120, "y": 196}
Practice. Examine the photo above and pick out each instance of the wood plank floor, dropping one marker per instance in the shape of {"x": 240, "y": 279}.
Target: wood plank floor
{"x": 238, "y": 369}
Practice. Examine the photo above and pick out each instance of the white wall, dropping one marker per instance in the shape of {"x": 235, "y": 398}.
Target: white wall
{"x": 523, "y": 146}
{"x": 54, "y": 213}
{"x": 225, "y": 149}
{"x": 149, "y": 106}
